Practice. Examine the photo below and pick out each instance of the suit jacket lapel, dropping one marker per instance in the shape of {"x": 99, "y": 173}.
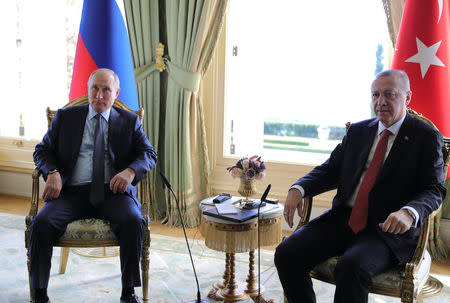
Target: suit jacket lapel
{"x": 78, "y": 124}
{"x": 366, "y": 141}
{"x": 404, "y": 139}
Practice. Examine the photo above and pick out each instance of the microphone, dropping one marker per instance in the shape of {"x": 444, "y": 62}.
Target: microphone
{"x": 167, "y": 183}
{"x": 263, "y": 198}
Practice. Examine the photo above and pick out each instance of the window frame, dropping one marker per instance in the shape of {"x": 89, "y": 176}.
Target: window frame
{"x": 16, "y": 154}
{"x": 281, "y": 175}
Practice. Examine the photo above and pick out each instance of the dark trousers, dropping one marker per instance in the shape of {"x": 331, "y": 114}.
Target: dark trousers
{"x": 362, "y": 257}
{"x": 121, "y": 210}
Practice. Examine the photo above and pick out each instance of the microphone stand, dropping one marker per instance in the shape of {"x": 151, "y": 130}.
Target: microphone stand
{"x": 167, "y": 183}
{"x": 263, "y": 198}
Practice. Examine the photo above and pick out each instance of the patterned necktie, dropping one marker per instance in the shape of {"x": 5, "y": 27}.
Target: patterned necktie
{"x": 97, "y": 192}
{"x": 358, "y": 217}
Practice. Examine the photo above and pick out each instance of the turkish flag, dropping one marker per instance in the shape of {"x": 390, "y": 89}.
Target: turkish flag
{"x": 423, "y": 52}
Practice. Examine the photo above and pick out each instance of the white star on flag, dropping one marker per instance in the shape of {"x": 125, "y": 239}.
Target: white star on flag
{"x": 426, "y": 56}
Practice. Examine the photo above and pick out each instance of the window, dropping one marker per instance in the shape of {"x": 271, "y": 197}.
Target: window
{"x": 38, "y": 47}
{"x": 296, "y": 72}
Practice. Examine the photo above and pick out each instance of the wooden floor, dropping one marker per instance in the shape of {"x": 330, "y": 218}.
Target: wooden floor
{"x": 20, "y": 206}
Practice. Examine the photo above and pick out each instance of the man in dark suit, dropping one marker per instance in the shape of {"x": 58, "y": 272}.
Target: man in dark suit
{"x": 388, "y": 172}
{"x": 92, "y": 157}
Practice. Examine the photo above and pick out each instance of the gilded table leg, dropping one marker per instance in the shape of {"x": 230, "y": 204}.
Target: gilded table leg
{"x": 217, "y": 286}
{"x": 252, "y": 284}
{"x": 232, "y": 292}
{"x": 262, "y": 299}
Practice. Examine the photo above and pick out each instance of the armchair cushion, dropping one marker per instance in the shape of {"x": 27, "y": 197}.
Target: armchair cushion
{"x": 89, "y": 229}
{"x": 389, "y": 280}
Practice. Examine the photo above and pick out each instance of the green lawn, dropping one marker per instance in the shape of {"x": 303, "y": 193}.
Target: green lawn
{"x": 299, "y": 144}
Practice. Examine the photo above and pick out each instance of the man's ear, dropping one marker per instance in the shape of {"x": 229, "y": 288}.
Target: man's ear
{"x": 408, "y": 97}
{"x": 117, "y": 93}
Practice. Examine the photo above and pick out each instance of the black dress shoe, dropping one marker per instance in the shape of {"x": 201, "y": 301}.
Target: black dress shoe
{"x": 130, "y": 299}
{"x": 47, "y": 300}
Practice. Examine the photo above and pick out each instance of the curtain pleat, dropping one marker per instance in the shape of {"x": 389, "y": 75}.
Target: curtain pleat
{"x": 192, "y": 33}
{"x": 143, "y": 30}
{"x": 394, "y": 11}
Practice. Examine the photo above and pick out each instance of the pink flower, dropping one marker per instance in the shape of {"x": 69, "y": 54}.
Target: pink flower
{"x": 250, "y": 168}
{"x": 235, "y": 172}
{"x": 245, "y": 164}
{"x": 260, "y": 176}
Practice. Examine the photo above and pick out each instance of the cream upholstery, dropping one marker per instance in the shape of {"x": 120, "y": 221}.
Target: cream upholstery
{"x": 87, "y": 229}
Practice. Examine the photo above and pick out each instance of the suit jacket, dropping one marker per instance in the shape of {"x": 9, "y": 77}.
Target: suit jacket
{"x": 128, "y": 145}
{"x": 412, "y": 175}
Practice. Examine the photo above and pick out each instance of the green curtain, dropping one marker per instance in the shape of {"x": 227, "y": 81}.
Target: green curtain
{"x": 436, "y": 247}
{"x": 143, "y": 30}
{"x": 394, "y": 11}
{"x": 174, "y": 119}
{"x": 192, "y": 32}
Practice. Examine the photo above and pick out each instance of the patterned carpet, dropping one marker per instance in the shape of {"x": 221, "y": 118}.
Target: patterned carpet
{"x": 171, "y": 278}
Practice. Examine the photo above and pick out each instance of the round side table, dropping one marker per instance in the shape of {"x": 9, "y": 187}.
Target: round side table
{"x": 231, "y": 237}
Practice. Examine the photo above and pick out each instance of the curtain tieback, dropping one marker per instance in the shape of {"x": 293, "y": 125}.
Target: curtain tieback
{"x": 184, "y": 78}
{"x": 144, "y": 71}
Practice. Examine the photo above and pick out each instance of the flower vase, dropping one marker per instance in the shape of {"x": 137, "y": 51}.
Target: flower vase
{"x": 247, "y": 188}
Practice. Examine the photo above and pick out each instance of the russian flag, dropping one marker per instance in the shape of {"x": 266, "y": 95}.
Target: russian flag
{"x": 103, "y": 43}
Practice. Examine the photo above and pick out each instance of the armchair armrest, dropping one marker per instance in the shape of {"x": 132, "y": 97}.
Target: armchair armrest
{"x": 307, "y": 207}
{"x": 144, "y": 197}
{"x": 412, "y": 267}
{"x": 34, "y": 203}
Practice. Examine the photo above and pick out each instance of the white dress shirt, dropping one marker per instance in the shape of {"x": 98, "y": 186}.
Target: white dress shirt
{"x": 82, "y": 172}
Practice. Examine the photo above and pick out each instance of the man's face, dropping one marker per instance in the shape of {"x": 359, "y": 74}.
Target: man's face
{"x": 102, "y": 91}
{"x": 389, "y": 99}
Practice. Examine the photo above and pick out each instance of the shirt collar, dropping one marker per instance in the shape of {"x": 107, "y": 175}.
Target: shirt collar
{"x": 92, "y": 113}
{"x": 394, "y": 128}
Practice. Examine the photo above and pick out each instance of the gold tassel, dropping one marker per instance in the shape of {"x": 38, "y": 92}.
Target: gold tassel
{"x": 239, "y": 238}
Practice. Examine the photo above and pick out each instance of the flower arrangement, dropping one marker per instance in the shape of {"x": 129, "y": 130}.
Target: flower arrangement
{"x": 248, "y": 168}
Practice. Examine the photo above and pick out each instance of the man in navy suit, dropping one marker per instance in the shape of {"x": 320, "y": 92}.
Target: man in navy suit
{"x": 383, "y": 196}
{"x": 68, "y": 158}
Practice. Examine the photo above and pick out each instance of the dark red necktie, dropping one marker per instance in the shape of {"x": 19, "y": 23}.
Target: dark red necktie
{"x": 358, "y": 217}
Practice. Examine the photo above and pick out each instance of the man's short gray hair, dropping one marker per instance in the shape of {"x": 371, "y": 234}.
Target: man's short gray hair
{"x": 400, "y": 74}
{"x": 116, "y": 77}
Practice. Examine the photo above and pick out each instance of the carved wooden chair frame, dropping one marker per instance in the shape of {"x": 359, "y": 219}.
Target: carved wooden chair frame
{"x": 65, "y": 244}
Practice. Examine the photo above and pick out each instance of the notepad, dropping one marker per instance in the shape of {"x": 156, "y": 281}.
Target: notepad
{"x": 239, "y": 217}
{"x": 226, "y": 209}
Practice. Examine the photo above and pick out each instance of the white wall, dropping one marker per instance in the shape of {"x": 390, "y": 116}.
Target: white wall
{"x": 16, "y": 183}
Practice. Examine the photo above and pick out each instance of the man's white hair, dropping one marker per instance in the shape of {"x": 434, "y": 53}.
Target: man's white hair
{"x": 116, "y": 78}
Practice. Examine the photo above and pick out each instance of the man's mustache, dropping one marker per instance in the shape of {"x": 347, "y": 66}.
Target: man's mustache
{"x": 382, "y": 109}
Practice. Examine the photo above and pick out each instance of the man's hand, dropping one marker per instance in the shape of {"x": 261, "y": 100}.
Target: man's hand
{"x": 397, "y": 222}
{"x": 120, "y": 182}
{"x": 52, "y": 187}
{"x": 293, "y": 201}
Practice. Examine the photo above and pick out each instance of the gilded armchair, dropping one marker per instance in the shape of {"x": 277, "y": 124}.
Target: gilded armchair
{"x": 409, "y": 283}
{"x": 91, "y": 232}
